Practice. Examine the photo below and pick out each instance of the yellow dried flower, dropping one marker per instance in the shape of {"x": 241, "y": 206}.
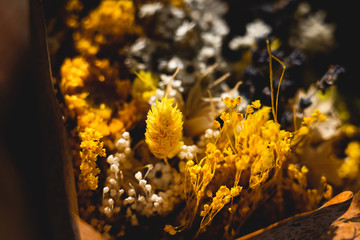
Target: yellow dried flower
{"x": 250, "y": 145}
{"x": 170, "y": 229}
{"x": 91, "y": 148}
{"x": 73, "y": 73}
{"x": 231, "y": 102}
{"x": 353, "y": 150}
{"x": 164, "y": 127}
{"x": 106, "y": 24}
{"x": 350, "y": 167}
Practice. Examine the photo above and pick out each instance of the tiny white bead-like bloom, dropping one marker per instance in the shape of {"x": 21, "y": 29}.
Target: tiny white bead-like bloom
{"x": 160, "y": 199}
{"x": 149, "y": 9}
{"x": 138, "y": 176}
{"x": 141, "y": 199}
{"x": 107, "y": 210}
{"x": 121, "y": 192}
{"x": 111, "y": 159}
{"x": 122, "y": 143}
{"x": 181, "y": 32}
{"x": 126, "y": 135}
{"x": 254, "y": 30}
{"x": 148, "y": 187}
{"x": 106, "y": 190}
{"x": 156, "y": 204}
{"x": 142, "y": 183}
{"x": 216, "y": 133}
{"x": 112, "y": 181}
{"x": 129, "y": 200}
{"x": 154, "y": 197}
{"x": 176, "y": 83}
{"x": 209, "y": 133}
{"x": 182, "y": 154}
{"x": 189, "y": 156}
{"x": 150, "y": 167}
{"x": 131, "y": 192}
{"x": 111, "y": 202}
{"x": 114, "y": 168}
{"x": 174, "y": 63}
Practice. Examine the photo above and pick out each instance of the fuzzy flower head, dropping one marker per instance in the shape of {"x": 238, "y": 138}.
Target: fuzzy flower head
{"x": 164, "y": 127}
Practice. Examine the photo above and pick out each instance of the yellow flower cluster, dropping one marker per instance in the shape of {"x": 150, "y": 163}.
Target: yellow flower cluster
{"x": 95, "y": 98}
{"x": 91, "y": 147}
{"x": 257, "y": 142}
{"x": 350, "y": 167}
{"x": 106, "y": 24}
{"x": 306, "y": 199}
{"x": 83, "y": 83}
{"x": 164, "y": 127}
{"x": 73, "y": 8}
{"x": 222, "y": 197}
{"x": 307, "y": 124}
{"x": 73, "y": 72}
{"x": 245, "y": 152}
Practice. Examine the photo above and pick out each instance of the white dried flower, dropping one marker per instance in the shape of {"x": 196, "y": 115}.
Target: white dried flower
{"x": 131, "y": 192}
{"x": 121, "y": 192}
{"x": 114, "y": 168}
{"x": 111, "y": 159}
{"x": 111, "y": 202}
{"x": 129, "y": 200}
{"x": 148, "y": 187}
{"x": 138, "y": 176}
{"x": 149, "y": 9}
{"x": 313, "y": 33}
{"x": 106, "y": 190}
{"x": 142, "y": 183}
{"x": 254, "y": 30}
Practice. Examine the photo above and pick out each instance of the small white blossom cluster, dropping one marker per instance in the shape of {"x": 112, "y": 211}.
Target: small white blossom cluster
{"x": 254, "y": 30}
{"x": 112, "y": 191}
{"x": 208, "y": 136}
{"x": 188, "y": 152}
{"x": 168, "y": 180}
{"x": 165, "y": 80}
{"x": 144, "y": 201}
{"x": 313, "y": 33}
{"x": 188, "y": 38}
{"x": 139, "y": 197}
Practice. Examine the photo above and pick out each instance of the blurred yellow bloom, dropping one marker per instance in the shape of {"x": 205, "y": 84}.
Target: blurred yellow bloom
{"x": 144, "y": 85}
{"x": 350, "y": 167}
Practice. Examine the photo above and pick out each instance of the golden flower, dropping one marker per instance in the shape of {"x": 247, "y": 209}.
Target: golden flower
{"x": 73, "y": 73}
{"x": 91, "y": 148}
{"x": 350, "y": 167}
{"x": 164, "y": 127}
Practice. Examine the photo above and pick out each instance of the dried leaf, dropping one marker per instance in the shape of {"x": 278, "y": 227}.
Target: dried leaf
{"x": 334, "y": 220}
